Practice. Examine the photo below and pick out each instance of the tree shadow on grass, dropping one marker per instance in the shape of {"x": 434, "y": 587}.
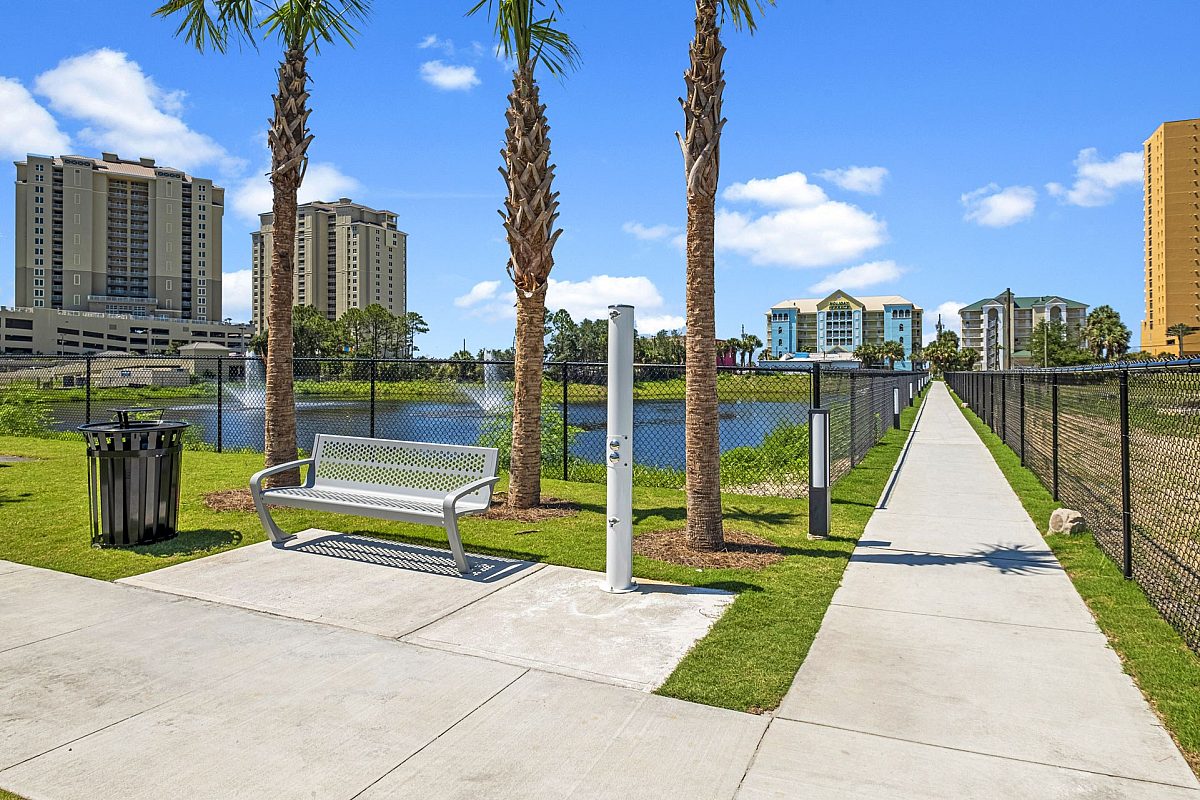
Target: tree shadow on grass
{"x": 191, "y": 542}
{"x": 13, "y": 498}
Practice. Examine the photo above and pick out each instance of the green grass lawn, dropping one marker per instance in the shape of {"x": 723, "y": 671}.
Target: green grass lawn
{"x": 1153, "y": 653}
{"x": 746, "y": 662}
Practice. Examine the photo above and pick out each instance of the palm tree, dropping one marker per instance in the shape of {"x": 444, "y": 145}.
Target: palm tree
{"x": 1179, "y": 331}
{"x": 868, "y": 354}
{"x": 1107, "y": 336}
{"x": 299, "y": 26}
{"x": 893, "y": 351}
{"x": 530, "y": 213}
{"x": 701, "y": 146}
{"x": 750, "y": 343}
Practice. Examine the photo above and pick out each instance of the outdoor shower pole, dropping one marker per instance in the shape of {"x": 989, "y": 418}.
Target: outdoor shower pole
{"x": 619, "y": 467}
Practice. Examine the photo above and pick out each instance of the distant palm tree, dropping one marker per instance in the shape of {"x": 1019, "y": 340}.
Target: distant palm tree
{"x": 868, "y": 354}
{"x": 701, "y": 145}
{"x": 1107, "y": 336}
{"x": 299, "y": 26}
{"x": 893, "y": 351}
{"x": 1180, "y": 331}
{"x": 750, "y": 343}
{"x": 530, "y": 213}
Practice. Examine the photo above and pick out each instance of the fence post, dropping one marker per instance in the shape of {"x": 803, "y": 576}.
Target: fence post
{"x": 220, "y": 387}
{"x": 87, "y": 390}
{"x": 853, "y": 452}
{"x": 1054, "y": 433}
{"x": 1021, "y": 378}
{"x": 1004, "y": 410}
{"x": 816, "y": 385}
{"x": 373, "y": 365}
{"x": 1126, "y": 509}
{"x": 566, "y": 406}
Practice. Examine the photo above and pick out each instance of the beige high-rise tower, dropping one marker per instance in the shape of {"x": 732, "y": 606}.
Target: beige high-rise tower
{"x": 1172, "y": 159}
{"x": 119, "y": 237}
{"x": 347, "y": 256}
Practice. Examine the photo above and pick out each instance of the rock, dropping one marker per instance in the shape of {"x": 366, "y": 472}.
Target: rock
{"x": 1064, "y": 520}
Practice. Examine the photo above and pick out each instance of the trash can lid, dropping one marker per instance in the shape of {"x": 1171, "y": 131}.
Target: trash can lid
{"x": 109, "y": 427}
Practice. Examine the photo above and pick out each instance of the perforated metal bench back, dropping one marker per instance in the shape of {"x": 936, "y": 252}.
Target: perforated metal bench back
{"x": 409, "y": 468}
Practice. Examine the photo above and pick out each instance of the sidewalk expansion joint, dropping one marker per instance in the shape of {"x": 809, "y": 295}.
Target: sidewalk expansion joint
{"x": 1095, "y": 632}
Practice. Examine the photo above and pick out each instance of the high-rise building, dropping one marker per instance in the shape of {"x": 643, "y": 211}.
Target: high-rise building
{"x": 347, "y": 256}
{"x": 1172, "y": 161}
{"x": 839, "y": 323}
{"x": 1000, "y": 327}
{"x": 119, "y": 237}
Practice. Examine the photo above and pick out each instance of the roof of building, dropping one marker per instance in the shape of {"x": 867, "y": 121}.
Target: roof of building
{"x": 873, "y": 303}
{"x": 142, "y": 168}
{"x": 1024, "y": 302}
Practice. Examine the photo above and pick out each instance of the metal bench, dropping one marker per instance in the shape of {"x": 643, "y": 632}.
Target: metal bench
{"x": 429, "y": 484}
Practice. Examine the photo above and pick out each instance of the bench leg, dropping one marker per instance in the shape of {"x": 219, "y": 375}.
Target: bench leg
{"x": 460, "y": 556}
{"x": 274, "y": 533}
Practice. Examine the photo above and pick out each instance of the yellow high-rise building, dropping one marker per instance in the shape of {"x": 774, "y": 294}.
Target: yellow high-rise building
{"x": 1172, "y": 159}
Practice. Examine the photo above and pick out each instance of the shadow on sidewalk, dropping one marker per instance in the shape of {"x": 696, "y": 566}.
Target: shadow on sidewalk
{"x": 1019, "y": 560}
{"x": 399, "y": 555}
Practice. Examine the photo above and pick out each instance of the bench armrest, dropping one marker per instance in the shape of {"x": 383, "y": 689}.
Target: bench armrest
{"x": 257, "y": 478}
{"x": 453, "y": 497}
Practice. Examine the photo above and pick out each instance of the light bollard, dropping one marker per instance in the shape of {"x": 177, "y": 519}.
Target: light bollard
{"x": 619, "y": 461}
{"x": 818, "y": 473}
{"x": 896, "y": 407}
{"x": 910, "y": 394}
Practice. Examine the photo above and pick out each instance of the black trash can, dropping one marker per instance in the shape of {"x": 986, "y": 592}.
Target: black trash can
{"x": 133, "y": 477}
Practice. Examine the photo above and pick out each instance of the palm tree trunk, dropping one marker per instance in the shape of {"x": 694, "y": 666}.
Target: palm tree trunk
{"x": 701, "y": 155}
{"x": 530, "y": 213}
{"x": 525, "y": 472}
{"x": 288, "y": 139}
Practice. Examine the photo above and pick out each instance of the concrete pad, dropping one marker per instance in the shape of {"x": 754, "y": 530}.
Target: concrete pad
{"x": 549, "y": 736}
{"x": 1035, "y": 592}
{"x": 798, "y": 760}
{"x": 1035, "y": 694}
{"x": 372, "y": 585}
{"x": 62, "y": 602}
{"x": 324, "y": 719}
{"x": 560, "y": 620}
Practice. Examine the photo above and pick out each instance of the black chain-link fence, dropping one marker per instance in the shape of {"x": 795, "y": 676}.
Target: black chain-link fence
{"x": 1121, "y": 445}
{"x": 762, "y": 412}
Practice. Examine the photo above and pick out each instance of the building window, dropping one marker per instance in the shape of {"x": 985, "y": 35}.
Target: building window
{"x": 76, "y": 280}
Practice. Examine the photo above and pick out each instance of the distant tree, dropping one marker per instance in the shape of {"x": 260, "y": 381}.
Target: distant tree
{"x": 893, "y": 351}
{"x": 869, "y": 354}
{"x": 313, "y": 334}
{"x": 1181, "y": 331}
{"x": 413, "y": 325}
{"x": 1055, "y": 344}
{"x": 1106, "y": 335}
{"x": 750, "y": 343}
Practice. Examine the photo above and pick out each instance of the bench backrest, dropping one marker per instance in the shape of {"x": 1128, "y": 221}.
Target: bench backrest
{"x": 416, "y": 469}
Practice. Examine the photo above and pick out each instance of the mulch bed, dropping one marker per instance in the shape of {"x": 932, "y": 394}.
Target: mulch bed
{"x": 742, "y": 550}
{"x": 230, "y": 500}
{"x": 551, "y": 508}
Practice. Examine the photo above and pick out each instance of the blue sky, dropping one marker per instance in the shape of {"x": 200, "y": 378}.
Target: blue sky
{"x": 991, "y": 144}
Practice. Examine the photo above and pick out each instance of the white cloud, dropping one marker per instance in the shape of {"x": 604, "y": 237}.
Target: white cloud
{"x": 867, "y": 180}
{"x": 449, "y": 77}
{"x": 25, "y": 126}
{"x": 322, "y": 181}
{"x": 809, "y": 230}
{"x": 436, "y": 42}
{"x": 994, "y": 207}
{"x": 484, "y": 290}
{"x": 587, "y": 299}
{"x": 237, "y": 294}
{"x": 950, "y": 319}
{"x": 860, "y": 277}
{"x": 1096, "y": 181}
{"x": 649, "y": 233}
{"x": 126, "y": 112}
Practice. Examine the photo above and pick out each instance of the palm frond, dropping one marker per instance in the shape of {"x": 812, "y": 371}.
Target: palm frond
{"x": 208, "y": 23}
{"x": 309, "y": 23}
{"x": 528, "y": 39}
{"x": 742, "y": 12}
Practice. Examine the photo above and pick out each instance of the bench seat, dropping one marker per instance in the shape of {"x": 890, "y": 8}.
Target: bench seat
{"x": 427, "y": 484}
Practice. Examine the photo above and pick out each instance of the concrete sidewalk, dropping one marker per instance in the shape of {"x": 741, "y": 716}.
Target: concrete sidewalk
{"x": 958, "y": 661}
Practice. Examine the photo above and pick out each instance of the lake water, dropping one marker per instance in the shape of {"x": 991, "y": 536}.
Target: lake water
{"x": 658, "y": 424}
